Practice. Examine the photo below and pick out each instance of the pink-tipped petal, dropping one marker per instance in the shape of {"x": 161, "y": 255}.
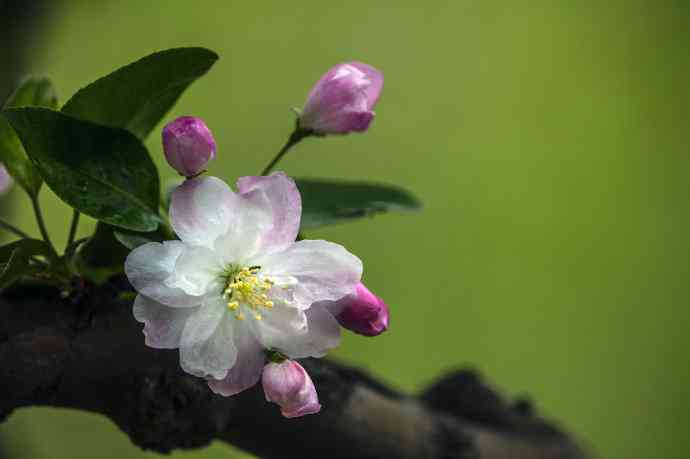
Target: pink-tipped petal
{"x": 280, "y": 194}
{"x": 288, "y": 385}
{"x": 374, "y": 89}
{"x": 247, "y": 369}
{"x": 324, "y": 271}
{"x": 163, "y": 324}
{"x": 201, "y": 210}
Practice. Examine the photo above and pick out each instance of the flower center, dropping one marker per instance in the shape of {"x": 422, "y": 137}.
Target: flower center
{"x": 243, "y": 288}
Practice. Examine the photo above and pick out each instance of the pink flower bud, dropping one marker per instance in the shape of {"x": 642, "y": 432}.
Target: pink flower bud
{"x": 5, "y": 179}
{"x": 188, "y": 145}
{"x": 363, "y": 312}
{"x": 288, "y": 385}
{"x": 342, "y": 100}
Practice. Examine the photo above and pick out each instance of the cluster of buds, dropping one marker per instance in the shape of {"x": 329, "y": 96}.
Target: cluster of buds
{"x": 341, "y": 102}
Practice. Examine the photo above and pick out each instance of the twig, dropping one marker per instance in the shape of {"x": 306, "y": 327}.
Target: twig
{"x": 92, "y": 357}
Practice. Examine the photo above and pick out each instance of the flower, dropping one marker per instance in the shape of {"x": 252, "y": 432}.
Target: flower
{"x": 363, "y": 312}
{"x": 287, "y": 384}
{"x": 237, "y": 283}
{"x": 342, "y": 100}
{"x": 5, "y": 179}
{"x": 188, "y": 145}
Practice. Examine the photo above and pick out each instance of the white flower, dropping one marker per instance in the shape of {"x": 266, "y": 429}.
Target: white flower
{"x": 237, "y": 283}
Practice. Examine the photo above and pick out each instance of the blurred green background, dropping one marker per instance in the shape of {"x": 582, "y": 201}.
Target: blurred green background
{"x": 549, "y": 141}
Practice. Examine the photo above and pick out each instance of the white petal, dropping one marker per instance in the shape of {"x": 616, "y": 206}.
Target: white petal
{"x": 163, "y": 324}
{"x": 197, "y": 270}
{"x": 207, "y": 347}
{"x": 201, "y": 210}
{"x": 241, "y": 241}
{"x": 322, "y": 335}
{"x": 280, "y": 194}
{"x": 248, "y": 367}
{"x": 149, "y": 266}
{"x": 312, "y": 271}
{"x": 278, "y": 326}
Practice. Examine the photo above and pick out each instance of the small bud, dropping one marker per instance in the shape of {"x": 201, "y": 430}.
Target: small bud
{"x": 188, "y": 145}
{"x": 288, "y": 385}
{"x": 363, "y": 312}
{"x": 5, "y": 179}
{"x": 342, "y": 100}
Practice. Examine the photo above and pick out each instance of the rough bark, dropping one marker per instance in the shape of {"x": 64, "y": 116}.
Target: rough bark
{"x": 87, "y": 352}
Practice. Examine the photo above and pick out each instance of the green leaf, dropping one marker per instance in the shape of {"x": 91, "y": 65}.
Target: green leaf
{"x": 103, "y": 172}
{"x": 133, "y": 239}
{"x": 325, "y": 202}
{"x": 31, "y": 91}
{"x": 137, "y": 96}
{"x": 101, "y": 256}
{"x": 14, "y": 268}
{"x": 29, "y": 246}
{"x": 15, "y": 258}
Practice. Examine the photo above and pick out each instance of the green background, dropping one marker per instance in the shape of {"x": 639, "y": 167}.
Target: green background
{"x": 549, "y": 143}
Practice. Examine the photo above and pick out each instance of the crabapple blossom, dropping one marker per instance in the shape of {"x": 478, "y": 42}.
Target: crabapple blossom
{"x": 237, "y": 284}
{"x": 188, "y": 145}
{"x": 288, "y": 384}
{"x": 342, "y": 100}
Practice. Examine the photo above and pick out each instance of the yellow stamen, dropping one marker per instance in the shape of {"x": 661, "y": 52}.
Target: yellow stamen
{"x": 244, "y": 288}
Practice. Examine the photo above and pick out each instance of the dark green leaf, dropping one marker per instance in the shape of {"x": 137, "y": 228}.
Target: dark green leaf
{"x": 29, "y": 246}
{"x": 133, "y": 239}
{"x": 32, "y": 91}
{"x": 325, "y": 202}
{"x": 137, "y": 96}
{"x": 101, "y": 171}
{"x": 16, "y": 266}
{"x": 102, "y": 255}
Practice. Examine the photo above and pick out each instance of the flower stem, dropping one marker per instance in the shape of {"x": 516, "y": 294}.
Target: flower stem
{"x": 41, "y": 223}
{"x": 13, "y": 229}
{"x": 297, "y": 135}
{"x": 72, "y": 229}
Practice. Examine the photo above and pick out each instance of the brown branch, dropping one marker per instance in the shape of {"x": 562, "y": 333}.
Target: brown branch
{"x": 88, "y": 353}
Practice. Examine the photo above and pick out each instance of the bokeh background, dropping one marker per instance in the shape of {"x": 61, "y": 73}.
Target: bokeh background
{"x": 549, "y": 141}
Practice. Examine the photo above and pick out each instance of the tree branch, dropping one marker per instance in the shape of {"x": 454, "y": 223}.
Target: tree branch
{"x": 88, "y": 353}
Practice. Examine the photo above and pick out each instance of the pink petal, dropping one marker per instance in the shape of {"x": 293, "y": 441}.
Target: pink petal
{"x": 280, "y": 194}
{"x": 247, "y": 369}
